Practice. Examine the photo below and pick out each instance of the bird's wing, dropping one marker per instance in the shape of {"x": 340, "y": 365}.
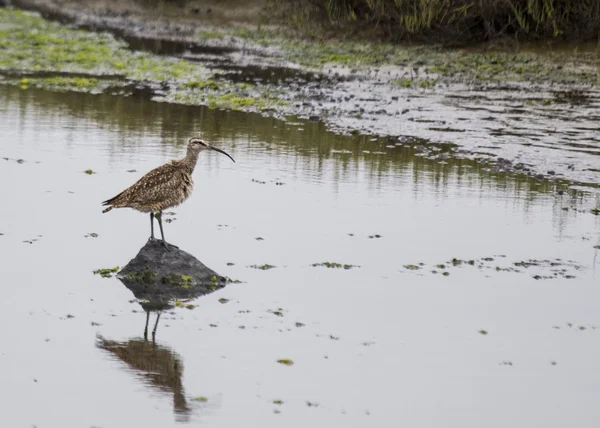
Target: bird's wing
{"x": 157, "y": 185}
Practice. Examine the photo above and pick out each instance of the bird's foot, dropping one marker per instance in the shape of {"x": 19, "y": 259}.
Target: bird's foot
{"x": 167, "y": 245}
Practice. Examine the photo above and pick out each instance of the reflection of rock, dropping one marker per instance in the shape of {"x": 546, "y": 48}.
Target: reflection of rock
{"x": 159, "y": 276}
{"x": 160, "y": 367}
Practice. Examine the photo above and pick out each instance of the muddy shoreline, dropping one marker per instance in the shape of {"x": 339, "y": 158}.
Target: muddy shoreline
{"x": 540, "y": 126}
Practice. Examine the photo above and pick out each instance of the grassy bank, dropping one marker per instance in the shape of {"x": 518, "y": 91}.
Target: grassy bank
{"x": 450, "y": 21}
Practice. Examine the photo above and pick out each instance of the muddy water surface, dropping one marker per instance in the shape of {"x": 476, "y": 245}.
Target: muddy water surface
{"x": 505, "y": 334}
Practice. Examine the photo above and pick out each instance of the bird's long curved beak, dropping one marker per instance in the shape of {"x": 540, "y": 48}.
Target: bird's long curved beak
{"x": 221, "y": 151}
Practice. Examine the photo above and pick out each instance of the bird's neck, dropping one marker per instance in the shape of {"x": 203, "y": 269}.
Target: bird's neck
{"x": 190, "y": 160}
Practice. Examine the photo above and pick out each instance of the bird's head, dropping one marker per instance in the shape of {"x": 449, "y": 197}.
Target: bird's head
{"x": 198, "y": 144}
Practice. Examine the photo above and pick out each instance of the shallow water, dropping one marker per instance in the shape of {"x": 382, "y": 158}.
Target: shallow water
{"x": 379, "y": 345}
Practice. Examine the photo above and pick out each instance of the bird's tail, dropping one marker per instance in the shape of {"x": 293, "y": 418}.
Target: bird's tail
{"x": 112, "y": 201}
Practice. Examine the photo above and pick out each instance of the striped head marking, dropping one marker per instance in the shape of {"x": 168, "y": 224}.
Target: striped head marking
{"x": 198, "y": 144}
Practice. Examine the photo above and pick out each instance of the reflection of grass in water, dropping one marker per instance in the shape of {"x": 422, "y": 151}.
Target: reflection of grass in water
{"x": 312, "y": 149}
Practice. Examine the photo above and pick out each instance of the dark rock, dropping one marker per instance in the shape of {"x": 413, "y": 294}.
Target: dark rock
{"x": 159, "y": 276}
{"x": 314, "y": 118}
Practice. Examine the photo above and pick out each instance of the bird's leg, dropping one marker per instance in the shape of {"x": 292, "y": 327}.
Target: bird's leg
{"x": 152, "y": 226}
{"x": 162, "y": 234}
{"x": 146, "y": 328}
{"x": 155, "y": 327}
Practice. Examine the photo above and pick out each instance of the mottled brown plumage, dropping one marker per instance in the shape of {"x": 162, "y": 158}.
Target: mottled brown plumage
{"x": 164, "y": 187}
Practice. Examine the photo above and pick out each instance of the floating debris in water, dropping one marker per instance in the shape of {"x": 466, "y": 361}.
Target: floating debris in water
{"x": 484, "y": 332}
{"x": 278, "y": 402}
{"x": 222, "y": 300}
{"x": 299, "y": 324}
{"x": 557, "y": 268}
{"x": 200, "y": 398}
{"x": 92, "y": 235}
{"x": 334, "y": 265}
{"x": 266, "y": 266}
{"x": 259, "y": 238}
{"x": 106, "y": 273}
{"x": 286, "y": 361}
{"x": 89, "y": 172}
{"x": 375, "y": 236}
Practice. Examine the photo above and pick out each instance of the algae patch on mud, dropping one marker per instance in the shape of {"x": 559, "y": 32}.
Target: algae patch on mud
{"x": 29, "y": 43}
{"x": 425, "y": 66}
{"x": 39, "y": 53}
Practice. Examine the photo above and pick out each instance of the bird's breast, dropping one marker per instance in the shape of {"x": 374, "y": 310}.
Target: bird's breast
{"x": 188, "y": 186}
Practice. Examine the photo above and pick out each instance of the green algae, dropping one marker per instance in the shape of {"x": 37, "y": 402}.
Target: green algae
{"x": 28, "y": 43}
{"x": 334, "y": 265}
{"x": 412, "y": 267}
{"x": 175, "y": 280}
{"x": 266, "y": 266}
{"x": 147, "y": 276}
{"x": 107, "y": 272}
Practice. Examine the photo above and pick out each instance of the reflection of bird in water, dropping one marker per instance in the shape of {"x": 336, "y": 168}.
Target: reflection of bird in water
{"x": 163, "y": 187}
{"x": 159, "y": 365}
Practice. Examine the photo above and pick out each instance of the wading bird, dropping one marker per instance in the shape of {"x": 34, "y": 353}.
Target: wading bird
{"x": 164, "y": 187}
